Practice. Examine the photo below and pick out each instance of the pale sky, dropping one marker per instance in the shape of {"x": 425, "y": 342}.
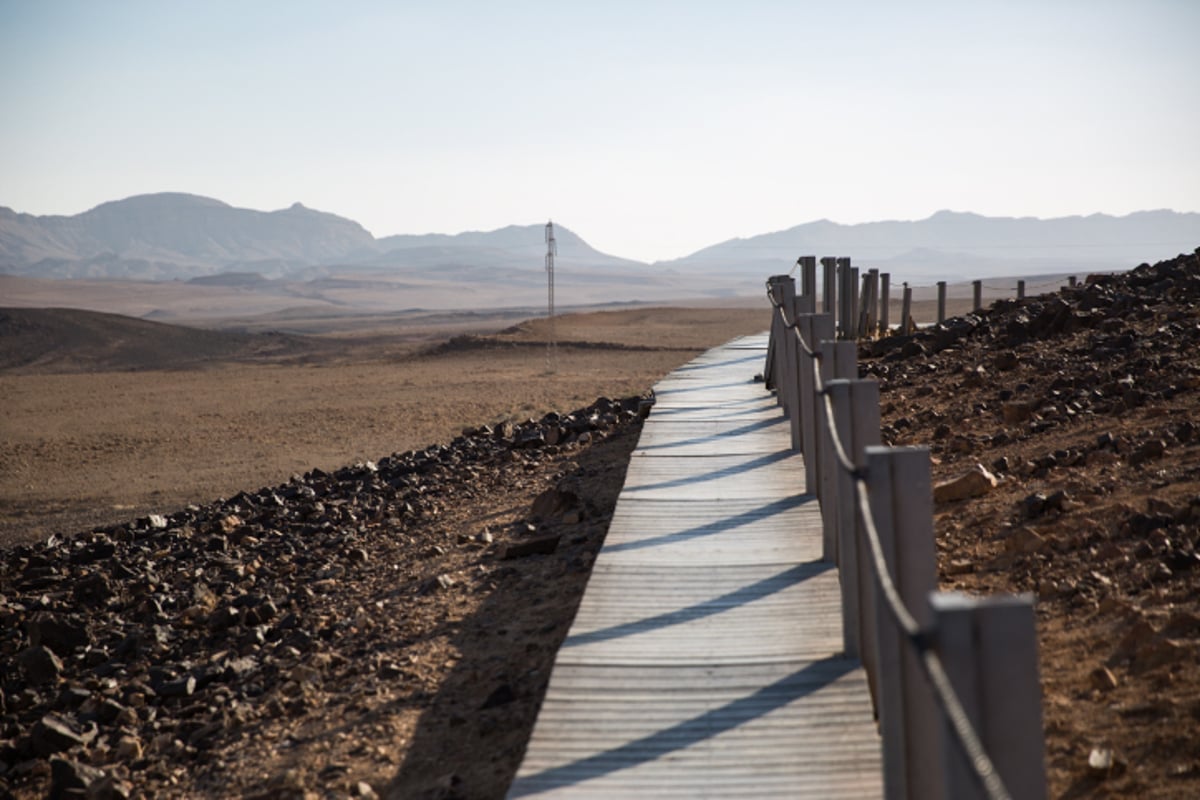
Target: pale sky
{"x": 651, "y": 129}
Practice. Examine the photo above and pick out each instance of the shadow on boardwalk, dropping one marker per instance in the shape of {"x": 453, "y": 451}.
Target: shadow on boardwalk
{"x": 805, "y": 681}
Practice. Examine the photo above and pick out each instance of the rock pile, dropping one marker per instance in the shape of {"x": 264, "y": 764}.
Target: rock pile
{"x": 137, "y": 657}
{"x": 1083, "y": 405}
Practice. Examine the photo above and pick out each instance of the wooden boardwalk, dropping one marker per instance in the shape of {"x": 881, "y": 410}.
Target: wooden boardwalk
{"x": 704, "y": 660}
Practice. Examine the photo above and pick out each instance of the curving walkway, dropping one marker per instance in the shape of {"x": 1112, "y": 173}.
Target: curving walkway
{"x": 704, "y": 659}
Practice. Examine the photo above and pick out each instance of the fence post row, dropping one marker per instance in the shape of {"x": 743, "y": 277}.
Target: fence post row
{"x": 987, "y": 647}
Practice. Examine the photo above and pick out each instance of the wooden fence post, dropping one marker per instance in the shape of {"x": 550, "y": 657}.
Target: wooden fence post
{"x": 787, "y": 373}
{"x": 902, "y": 506}
{"x": 855, "y": 300}
{"x": 857, "y": 425}
{"x": 989, "y": 649}
{"x": 845, "y": 312}
{"x": 815, "y": 328}
{"x": 775, "y": 341}
{"x": 829, "y": 291}
{"x": 808, "y": 278}
{"x": 1020, "y": 290}
{"x": 839, "y": 361}
{"x": 906, "y": 310}
{"x": 802, "y": 307}
{"x": 977, "y": 295}
{"x": 872, "y": 304}
{"x": 885, "y": 301}
{"x": 839, "y": 395}
{"x": 941, "y": 314}
{"x": 864, "y": 404}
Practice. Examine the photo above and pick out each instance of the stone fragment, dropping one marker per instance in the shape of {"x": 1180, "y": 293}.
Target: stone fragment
{"x": 180, "y": 687}
{"x": 72, "y": 779}
{"x": 958, "y": 566}
{"x": 52, "y": 734}
{"x": 1103, "y": 762}
{"x": 543, "y": 545}
{"x": 1016, "y": 412}
{"x": 975, "y": 483}
{"x": 1103, "y": 679}
{"x": 129, "y": 747}
{"x": 40, "y": 664}
{"x": 1148, "y": 451}
{"x": 62, "y": 635}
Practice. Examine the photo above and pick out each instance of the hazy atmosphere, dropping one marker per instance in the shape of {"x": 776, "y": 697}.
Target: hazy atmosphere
{"x": 652, "y": 130}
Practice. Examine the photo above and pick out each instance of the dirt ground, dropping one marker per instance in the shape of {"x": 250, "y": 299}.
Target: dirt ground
{"x": 1081, "y": 404}
{"x": 85, "y": 448}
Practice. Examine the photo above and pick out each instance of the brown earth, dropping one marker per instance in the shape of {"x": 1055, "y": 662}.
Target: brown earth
{"x": 117, "y": 418}
{"x": 1083, "y": 405}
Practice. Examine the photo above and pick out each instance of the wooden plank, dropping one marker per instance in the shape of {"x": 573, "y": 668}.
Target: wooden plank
{"x": 704, "y": 659}
{"x": 689, "y": 532}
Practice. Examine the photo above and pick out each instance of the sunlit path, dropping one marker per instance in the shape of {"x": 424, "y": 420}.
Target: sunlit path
{"x": 705, "y": 657}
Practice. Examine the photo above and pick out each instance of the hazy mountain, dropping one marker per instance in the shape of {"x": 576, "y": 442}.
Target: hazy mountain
{"x": 961, "y": 245}
{"x": 180, "y": 236}
{"x": 171, "y": 236}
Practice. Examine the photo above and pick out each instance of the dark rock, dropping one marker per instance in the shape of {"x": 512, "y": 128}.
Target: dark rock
{"x": 1034, "y": 505}
{"x": 53, "y": 734}
{"x": 63, "y": 636}
{"x": 179, "y": 687}
{"x": 93, "y": 588}
{"x": 72, "y": 779}
{"x": 1153, "y": 449}
{"x": 543, "y": 545}
{"x": 40, "y": 664}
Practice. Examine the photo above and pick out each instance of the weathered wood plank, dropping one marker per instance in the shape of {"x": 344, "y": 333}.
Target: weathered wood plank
{"x": 704, "y": 660}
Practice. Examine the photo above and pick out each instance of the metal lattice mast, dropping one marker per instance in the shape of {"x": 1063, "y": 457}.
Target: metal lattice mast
{"x": 551, "y": 251}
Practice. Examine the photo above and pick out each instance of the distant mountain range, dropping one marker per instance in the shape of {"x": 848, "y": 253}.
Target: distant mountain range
{"x": 951, "y": 245}
{"x": 179, "y": 236}
{"x": 176, "y": 236}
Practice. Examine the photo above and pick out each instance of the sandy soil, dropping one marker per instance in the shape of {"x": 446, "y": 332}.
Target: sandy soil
{"x": 81, "y": 449}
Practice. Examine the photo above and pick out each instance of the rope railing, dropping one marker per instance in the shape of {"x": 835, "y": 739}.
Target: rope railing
{"x": 796, "y": 362}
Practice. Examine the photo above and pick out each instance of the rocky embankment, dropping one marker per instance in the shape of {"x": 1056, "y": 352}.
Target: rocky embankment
{"x": 390, "y": 623}
{"x": 1064, "y": 435}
